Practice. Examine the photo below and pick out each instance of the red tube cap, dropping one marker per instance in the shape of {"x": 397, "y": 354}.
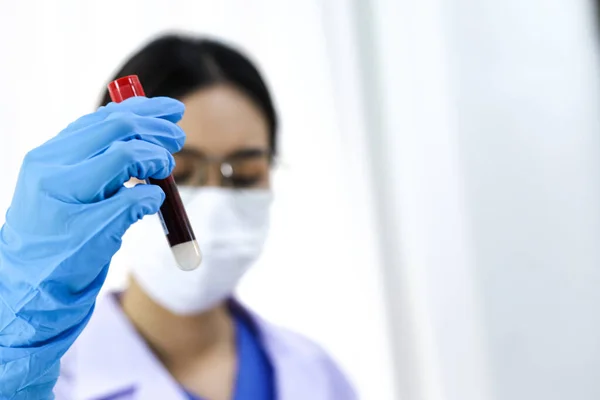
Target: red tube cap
{"x": 124, "y": 88}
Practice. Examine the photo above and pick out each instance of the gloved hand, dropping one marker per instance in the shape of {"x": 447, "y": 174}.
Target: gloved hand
{"x": 66, "y": 221}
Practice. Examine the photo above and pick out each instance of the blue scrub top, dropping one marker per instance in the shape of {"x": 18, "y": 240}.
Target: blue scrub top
{"x": 255, "y": 379}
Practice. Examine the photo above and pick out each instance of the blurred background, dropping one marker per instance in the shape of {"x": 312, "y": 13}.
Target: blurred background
{"x": 437, "y": 222}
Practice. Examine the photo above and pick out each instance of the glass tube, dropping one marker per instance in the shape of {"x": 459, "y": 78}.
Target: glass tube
{"x": 172, "y": 213}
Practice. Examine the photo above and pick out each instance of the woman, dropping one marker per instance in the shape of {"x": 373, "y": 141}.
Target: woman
{"x": 170, "y": 334}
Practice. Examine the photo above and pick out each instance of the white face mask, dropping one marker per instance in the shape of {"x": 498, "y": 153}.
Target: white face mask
{"x": 231, "y": 227}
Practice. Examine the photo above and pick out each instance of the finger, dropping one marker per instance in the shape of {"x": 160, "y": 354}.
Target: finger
{"x": 157, "y": 107}
{"x": 126, "y": 207}
{"x": 92, "y": 141}
{"x": 102, "y": 176}
{"x": 137, "y": 202}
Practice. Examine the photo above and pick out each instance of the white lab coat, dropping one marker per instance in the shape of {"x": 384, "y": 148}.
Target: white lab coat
{"x": 110, "y": 361}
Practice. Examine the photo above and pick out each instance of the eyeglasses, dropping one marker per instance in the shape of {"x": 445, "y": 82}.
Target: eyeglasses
{"x": 242, "y": 169}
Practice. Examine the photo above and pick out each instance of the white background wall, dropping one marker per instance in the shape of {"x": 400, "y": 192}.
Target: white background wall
{"x": 485, "y": 135}
{"x": 529, "y": 123}
{"x": 320, "y": 274}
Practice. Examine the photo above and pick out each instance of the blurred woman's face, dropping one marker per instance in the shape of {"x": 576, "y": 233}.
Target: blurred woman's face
{"x": 227, "y": 141}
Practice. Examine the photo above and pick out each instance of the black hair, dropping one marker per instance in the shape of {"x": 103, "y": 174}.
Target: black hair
{"x": 176, "y": 65}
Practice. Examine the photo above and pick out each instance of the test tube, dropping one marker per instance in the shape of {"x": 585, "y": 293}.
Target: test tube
{"x": 172, "y": 214}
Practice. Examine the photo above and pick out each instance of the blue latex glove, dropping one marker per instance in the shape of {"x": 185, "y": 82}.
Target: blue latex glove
{"x": 65, "y": 223}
